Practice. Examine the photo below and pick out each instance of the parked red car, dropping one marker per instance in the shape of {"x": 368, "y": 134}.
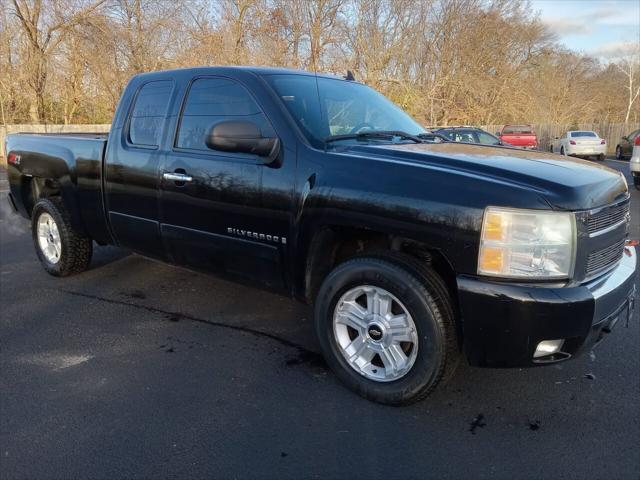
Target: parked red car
{"x": 519, "y": 136}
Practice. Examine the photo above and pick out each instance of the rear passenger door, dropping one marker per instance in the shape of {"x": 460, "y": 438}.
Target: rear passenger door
{"x": 131, "y": 170}
{"x": 214, "y": 219}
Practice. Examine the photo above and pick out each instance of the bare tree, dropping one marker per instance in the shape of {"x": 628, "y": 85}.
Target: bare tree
{"x": 628, "y": 63}
{"x": 444, "y": 61}
{"x": 45, "y": 25}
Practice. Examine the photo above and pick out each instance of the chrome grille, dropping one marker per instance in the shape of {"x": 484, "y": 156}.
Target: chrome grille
{"x": 608, "y": 216}
{"x": 604, "y": 258}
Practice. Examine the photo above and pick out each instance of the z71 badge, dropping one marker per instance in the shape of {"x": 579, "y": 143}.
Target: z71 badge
{"x": 257, "y": 236}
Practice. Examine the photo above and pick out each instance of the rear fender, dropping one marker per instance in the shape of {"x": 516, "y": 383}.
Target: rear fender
{"x": 40, "y": 174}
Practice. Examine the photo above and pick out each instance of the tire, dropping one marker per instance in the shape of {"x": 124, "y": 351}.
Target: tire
{"x": 64, "y": 251}
{"x": 618, "y": 153}
{"x": 562, "y": 151}
{"x": 435, "y": 353}
{"x": 636, "y": 182}
{"x": 601, "y": 157}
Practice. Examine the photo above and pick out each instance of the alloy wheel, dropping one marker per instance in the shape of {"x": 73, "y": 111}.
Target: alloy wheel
{"x": 375, "y": 333}
{"x": 49, "y": 238}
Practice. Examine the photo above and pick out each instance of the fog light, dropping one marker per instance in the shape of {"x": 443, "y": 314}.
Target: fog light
{"x": 548, "y": 347}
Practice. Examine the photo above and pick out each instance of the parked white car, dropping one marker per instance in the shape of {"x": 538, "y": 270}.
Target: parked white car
{"x": 634, "y": 163}
{"x": 580, "y": 143}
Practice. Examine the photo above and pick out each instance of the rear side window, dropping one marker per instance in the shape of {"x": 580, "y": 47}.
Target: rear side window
{"x": 214, "y": 100}
{"x": 517, "y": 129}
{"x": 583, "y": 134}
{"x": 149, "y": 111}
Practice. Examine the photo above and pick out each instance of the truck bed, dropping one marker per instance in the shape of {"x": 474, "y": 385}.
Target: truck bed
{"x": 74, "y": 160}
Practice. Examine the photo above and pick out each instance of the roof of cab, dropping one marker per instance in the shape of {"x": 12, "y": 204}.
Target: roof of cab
{"x": 260, "y": 71}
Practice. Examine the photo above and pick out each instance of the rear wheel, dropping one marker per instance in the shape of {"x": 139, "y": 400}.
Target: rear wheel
{"x": 387, "y": 329}
{"x": 636, "y": 182}
{"x": 601, "y": 157}
{"x": 61, "y": 250}
{"x": 562, "y": 152}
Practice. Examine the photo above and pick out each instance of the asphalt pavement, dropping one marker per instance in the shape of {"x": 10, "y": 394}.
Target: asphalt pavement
{"x": 135, "y": 369}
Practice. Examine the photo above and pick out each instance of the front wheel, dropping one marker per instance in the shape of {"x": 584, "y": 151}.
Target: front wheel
{"x": 387, "y": 328}
{"x": 61, "y": 250}
{"x": 618, "y": 153}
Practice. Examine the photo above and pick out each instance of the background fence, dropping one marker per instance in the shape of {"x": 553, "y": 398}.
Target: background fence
{"x": 611, "y": 132}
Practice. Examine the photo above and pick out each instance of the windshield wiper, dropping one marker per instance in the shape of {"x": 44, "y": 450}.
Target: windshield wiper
{"x": 374, "y": 134}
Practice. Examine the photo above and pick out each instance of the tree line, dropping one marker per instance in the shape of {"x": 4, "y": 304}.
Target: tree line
{"x": 444, "y": 61}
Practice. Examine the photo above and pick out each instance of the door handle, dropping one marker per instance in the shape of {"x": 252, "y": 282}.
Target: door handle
{"x": 177, "y": 177}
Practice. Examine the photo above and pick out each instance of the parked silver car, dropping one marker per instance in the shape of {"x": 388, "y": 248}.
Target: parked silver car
{"x": 580, "y": 143}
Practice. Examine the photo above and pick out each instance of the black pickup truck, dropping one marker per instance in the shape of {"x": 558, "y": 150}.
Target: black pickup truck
{"x": 416, "y": 252}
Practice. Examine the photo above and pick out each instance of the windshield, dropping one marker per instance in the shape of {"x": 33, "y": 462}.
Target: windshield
{"x": 583, "y": 134}
{"x": 339, "y": 107}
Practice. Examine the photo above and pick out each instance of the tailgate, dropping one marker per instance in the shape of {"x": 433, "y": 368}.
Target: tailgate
{"x": 519, "y": 139}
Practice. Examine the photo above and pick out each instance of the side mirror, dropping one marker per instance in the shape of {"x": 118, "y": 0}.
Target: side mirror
{"x": 497, "y": 134}
{"x": 241, "y": 136}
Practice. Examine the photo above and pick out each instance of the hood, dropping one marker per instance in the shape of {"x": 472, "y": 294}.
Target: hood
{"x": 565, "y": 183}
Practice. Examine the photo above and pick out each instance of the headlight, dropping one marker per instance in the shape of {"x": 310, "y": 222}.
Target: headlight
{"x": 532, "y": 244}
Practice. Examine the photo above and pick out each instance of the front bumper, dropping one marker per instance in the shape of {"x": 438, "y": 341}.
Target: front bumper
{"x": 503, "y": 322}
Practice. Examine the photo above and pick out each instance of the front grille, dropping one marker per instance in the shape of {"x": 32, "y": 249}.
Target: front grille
{"x": 608, "y": 216}
{"x": 604, "y": 258}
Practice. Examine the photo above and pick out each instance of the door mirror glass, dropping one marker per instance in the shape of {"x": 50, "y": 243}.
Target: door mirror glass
{"x": 241, "y": 136}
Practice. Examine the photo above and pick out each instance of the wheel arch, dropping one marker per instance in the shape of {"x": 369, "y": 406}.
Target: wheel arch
{"x": 43, "y": 175}
{"x": 330, "y": 245}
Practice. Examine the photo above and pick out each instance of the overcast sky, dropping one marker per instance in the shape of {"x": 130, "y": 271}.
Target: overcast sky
{"x": 597, "y": 27}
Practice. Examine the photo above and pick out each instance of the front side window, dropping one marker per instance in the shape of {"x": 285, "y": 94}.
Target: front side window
{"x": 149, "y": 112}
{"x": 487, "y": 139}
{"x": 323, "y": 107}
{"x": 214, "y": 100}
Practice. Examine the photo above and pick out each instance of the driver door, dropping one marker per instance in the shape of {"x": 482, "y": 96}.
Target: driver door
{"x": 211, "y": 214}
